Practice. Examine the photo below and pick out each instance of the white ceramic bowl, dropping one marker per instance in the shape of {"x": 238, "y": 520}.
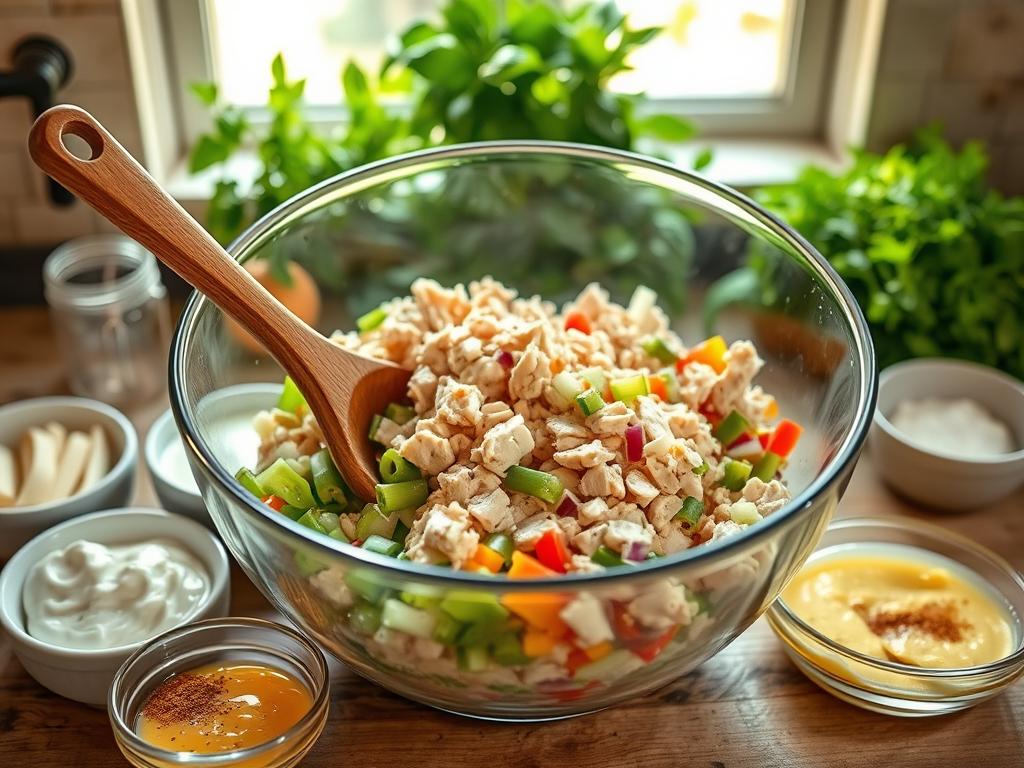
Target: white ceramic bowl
{"x": 85, "y": 675}
{"x": 934, "y": 477}
{"x": 19, "y": 524}
{"x": 228, "y": 413}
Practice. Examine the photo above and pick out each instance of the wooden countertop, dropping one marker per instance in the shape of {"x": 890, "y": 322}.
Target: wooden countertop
{"x": 747, "y": 706}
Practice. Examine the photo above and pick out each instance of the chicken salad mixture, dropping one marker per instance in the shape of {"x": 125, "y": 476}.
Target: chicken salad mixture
{"x": 534, "y": 442}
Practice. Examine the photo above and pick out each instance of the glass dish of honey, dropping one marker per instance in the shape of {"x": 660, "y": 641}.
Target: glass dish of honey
{"x": 225, "y": 692}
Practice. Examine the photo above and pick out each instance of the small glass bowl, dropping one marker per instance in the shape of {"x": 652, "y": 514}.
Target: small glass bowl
{"x": 889, "y": 687}
{"x": 205, "y": 642}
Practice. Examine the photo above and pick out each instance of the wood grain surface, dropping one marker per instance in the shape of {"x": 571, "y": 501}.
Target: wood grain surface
{"x": 746, "y": 707}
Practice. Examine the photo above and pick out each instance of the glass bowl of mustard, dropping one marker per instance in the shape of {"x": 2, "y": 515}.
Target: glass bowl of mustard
{"x": 904, "y": 618}
{"x": 225, "y": 692}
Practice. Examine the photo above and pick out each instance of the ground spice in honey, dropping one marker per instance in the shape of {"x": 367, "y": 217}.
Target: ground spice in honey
{"x": 938, "y": 619}
{"x": 188, "y": 698}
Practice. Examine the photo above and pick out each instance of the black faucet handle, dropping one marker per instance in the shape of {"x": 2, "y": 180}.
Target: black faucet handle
{"x": 40, "y": 67}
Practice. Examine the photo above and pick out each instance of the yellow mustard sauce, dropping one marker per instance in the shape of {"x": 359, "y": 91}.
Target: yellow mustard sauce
{"x": 896, "y": 609}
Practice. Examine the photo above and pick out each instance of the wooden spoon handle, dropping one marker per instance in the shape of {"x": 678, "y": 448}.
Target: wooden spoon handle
{"x": 113, "y": 183}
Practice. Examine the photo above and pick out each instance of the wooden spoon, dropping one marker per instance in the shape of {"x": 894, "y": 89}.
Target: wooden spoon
{"x": 343, "y": 389}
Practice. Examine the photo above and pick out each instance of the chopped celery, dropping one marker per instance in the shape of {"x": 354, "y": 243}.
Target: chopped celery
{"x": 736, "y": 474}
{"x": 401, "y": 532}
{"x": 395, "y": 469}
{"x": 373, "y": 521}
{"x": 408, "y": 517}
{"x": 404, "y": 618}
{"x": 596, "y": 378}
{"x": 502, "y": 544}
{"x": 658, "y": 349}
{"x": 421, "y": 596}
{"x": 473, "y": 659}
{"x": 590, "y": 402}
{"x": 691, "y": 510}
{"x": 281, "y": 480}
{"x": 609, "y": 558}
{"x": 473, "y": 607}
{"x": 629, "y": 388}
{"x": 339, "y": 534}
{"x": 327, "y": 479}
{"x": 398, "y": 413}
{"x": 364, "y": 618}
{"x": 482, "y": 632}
{"x": 767, "y": 466}
{"x": 307, "y": 564}
{"x": 391, "y": 497}
{"x": 248, "y": 481}
{"x": 507, "y": 650}
{"x": 567, "y": 385}
{"x": 616, "y": 663}
{"x": 744, "y": 512}
{"x": 291, "y": 398}
{"x": 731, "y": 427}
{"x": 371, "y": 319}
{"x": 542, "y": 485}
{"x": 698, "y": 471}
{"x": 310, "y": 520}
{"x": 447, "y": 629}
{"x": 374, "y": 424}
{"x": 365, "y": 584}
{"x": 382, "y": 546}
{"x": 329, "y": 520}
{"x": 293, "y": 512}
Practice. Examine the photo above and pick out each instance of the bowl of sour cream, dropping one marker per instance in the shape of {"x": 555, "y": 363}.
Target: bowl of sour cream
{"x": 83, "y": 596}
{"x": 949, "y": 434}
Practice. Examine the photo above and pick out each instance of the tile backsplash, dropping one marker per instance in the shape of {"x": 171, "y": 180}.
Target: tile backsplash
{"x": 958, "y": 61}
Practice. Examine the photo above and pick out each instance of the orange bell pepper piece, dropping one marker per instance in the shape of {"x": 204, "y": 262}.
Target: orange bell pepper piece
{"x": 785, "y": 437}
{"x": 526, "y": 567}
{"x": 488, "y": 558}
{"x": 657, "y": 387}
{"x": 537, "y": 643}
{"x": 540, "y": 610}
{"x": 599, "y": 651}
{"x": 710, "y": 352}
{"x": 579, "y": 321}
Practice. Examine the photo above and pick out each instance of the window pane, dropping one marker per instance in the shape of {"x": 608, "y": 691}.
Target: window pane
{"x": 317, "y": 37}
{"x": 710, "y": 48}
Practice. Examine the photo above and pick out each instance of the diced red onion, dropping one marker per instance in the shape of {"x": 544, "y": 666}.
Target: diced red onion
{"x": 636, "y": 551}
{"x": 504, "y": 357}
{"x": 569, "y": 506}
{"x": 634, "y": 442}
{"x": 745, "y": 450}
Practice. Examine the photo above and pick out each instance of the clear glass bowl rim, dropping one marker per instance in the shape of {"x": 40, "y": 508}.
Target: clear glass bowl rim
{"x": 781, "y": 613}
{"x": 127, "y": 734}
{"x": 264, "y": 227}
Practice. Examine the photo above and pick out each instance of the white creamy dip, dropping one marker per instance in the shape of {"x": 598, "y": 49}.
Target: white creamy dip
{"x": 89, "y": 596}
{"x": 959, "y": 426}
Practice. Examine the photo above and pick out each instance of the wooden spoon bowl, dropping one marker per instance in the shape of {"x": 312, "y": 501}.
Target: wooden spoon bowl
{"x": 344, "y": 390}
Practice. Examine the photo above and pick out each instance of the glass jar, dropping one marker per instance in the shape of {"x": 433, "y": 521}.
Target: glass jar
{"x": 111, "y": 317}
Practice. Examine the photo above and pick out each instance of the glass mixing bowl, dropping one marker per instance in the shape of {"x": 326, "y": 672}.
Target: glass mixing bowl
{"x": 546, "y": 218}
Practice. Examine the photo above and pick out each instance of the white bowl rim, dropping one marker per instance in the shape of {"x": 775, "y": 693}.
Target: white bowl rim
{"x": 153, "y": 459}
{"x": 129, "y": 452}
{"x": 920, "y": 366}
{"x": 219, "y": 580}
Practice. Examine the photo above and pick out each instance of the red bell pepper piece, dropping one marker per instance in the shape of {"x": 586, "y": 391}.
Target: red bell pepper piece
{"x": 784, "y": 437}
{"x": 577, "y": 659}
{"x": 274, "y": 502}
{"x": 650, "y": 649}
{"x": 764, "y": 438}
{"x": 579, "y": 321}
{"x": 551, "y": 551}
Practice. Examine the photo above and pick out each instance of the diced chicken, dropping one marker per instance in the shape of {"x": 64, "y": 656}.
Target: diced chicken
{"x": 583, "y": 564}
{"x": 495, "y": 413}
{"x": 567, "y": 433}
{"x": 330, "y": 584}
{"x": 643, "y": 490}
{"x": 432, "y": 453}
{"x": 725, "y": 530}
{"x": 529, "y": 375}
{"x": 464, "y": 351}
{"x": 424, "y": 648}
{"x": 585, "y": 456}
{"x": 656, "y": 428}
{"x": 604, "y": 480}
{"x": 671, "y": 539}
{"x": 524, "y": 507}
{"x": 593, "y": 511}
{"x": 488, "y": 375}
{"x": 388, "y": 431}
{"x": 661, "y": 605}
{"x": 589, "y": 539}
{"x": 461, "y": 483}
{"x": 504, "y": 444}
{"x": 570, "y": 527}
{"x": 696, "y": 383}
{"x": 492, "y": 510}
{"x": 767, "y": 497}
{"x": 629, "y": 512}
{"x": 458, "y": 404}
{"x": 530, "y": 530}
{"x": 586, "y": 617}
{"x": 672, "y": 472}
{"x": 447, "y": 530}
{"x": 570, "y": 480}
{"x": 662, "y": 511}
{"x": 741, "y": 365}
{"x": 611, "y": 420}
{"x": 440, "y": 307}
{"x": 622, "y": 534}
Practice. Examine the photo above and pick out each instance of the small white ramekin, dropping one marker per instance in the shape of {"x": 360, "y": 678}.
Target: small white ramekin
{"x": 937, "y": 475}
{"x": 19, "y": 524}
{"x": 85, "y": 675}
